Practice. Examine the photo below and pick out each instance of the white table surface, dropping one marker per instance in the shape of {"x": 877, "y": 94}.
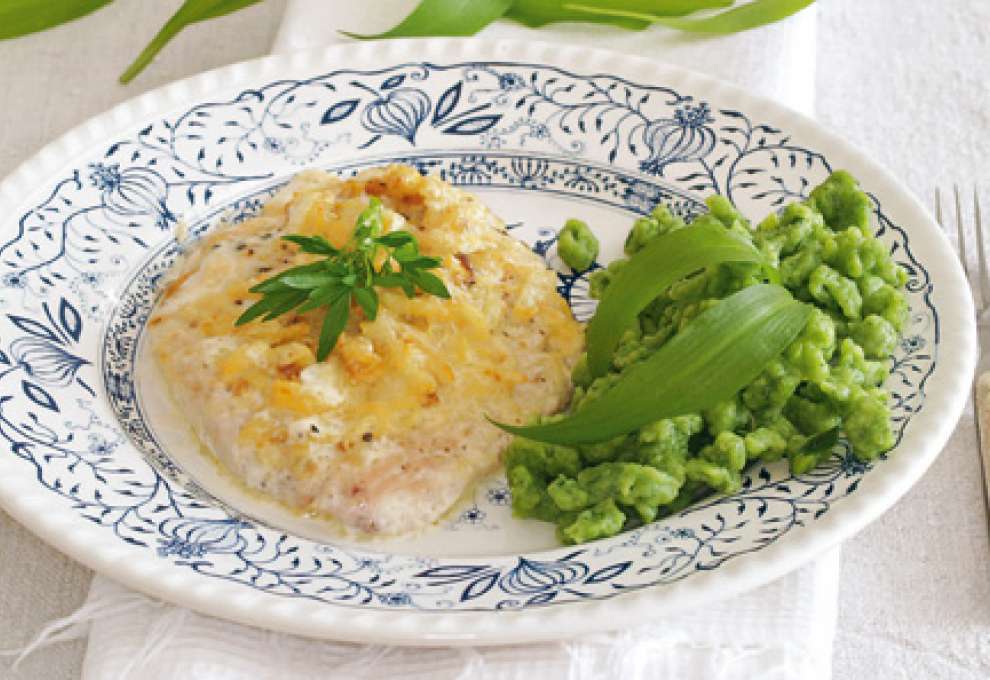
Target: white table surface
{"x": 915, "y": 589}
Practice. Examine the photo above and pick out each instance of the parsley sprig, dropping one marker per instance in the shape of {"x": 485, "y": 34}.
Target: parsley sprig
{"x": 347, "y": 275}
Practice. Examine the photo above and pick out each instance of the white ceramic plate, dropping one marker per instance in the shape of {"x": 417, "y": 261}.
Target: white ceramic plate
{"x": 95, "y": 462}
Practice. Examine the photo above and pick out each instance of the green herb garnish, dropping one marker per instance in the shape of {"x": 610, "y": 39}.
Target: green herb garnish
{"x": 347, "y": 275}
{"x": 721, "y": 351}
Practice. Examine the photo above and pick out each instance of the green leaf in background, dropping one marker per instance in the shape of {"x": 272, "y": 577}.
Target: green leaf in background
{"x": 20, "y": 17}
{"x": 648, "y": 273}
{"x": 191, "y": 12}
{"x": 743, "y": 18}
{"x": 538, "y": 13}
{"x": 444, "y": 17}
{"x": 432, "y": 17}
{"x": 718, "y": 353}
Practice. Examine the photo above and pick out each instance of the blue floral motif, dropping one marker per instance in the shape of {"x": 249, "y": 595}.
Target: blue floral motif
{"x": 100, "y": 445}
{"x": 396, "y": 599}
{"x": 499, "y": 495}
{"x": 852, "y": 466}
{"x": 136, "y": 192}
{"x": 684, "y": 138}
{"x": 511, "y": 81}
{"x": 518, "y": 127}
{"x": 473, "y": 515}
{"x": 42, "y": 355}
{"x": 46, "y": 361}
{"x": 912, "y": 343}
{"x": 13, "y": 280}
{"x": 197, "y": 538}
{"x": 399, "y": 113}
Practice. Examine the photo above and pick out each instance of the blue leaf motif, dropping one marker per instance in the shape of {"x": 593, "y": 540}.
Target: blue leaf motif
{"x": 339, "y": 111}
{"x": 474, "y": 126}
{"x": 34, "y": 328}
{"x": 608, "y": 573}
{"x": 479, "y": 587}
{"x": 393, "y": 82}
{"x": 39, "y": 396}
{"x": 447, "y": 103}
{"x": 452, "y": 573}
{"x": 70, "y": 319}
{"x": 541, "y": 598}
{"x": 4, "y": 359}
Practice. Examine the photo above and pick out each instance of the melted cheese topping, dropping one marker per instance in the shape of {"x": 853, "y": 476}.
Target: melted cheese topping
{"x": 389, "y": 431}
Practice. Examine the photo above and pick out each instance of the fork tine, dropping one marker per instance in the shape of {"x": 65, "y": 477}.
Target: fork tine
{"x": 938, "y": 208}
{"x": 981, "y": 249}
{"x": 960, "y": 235}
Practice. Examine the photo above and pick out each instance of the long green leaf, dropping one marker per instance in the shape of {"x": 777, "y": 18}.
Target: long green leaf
{"x": 651, "y": 271}
{"x": 443, "y": 17}
{"x": 21, "y": 17}
{"x": 716, "y": 355}
{"x": 191, "y": 12}
{"x": 751, "y": 15}
{"x": 538, "y": 13}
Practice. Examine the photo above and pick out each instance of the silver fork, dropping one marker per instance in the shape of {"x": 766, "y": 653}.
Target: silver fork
{"x": 979, "y": 282}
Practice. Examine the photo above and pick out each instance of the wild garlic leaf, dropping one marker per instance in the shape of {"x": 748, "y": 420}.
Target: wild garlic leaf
{"x": 648, "y": 273}
{"x": 718, "y": 353}
{"x": 21, "y": 17}
{"x": 538, "y": 13}
{"x": 742, "y": 18}
{"x": 443, "y": 17}
{"x": 191, "y": 12}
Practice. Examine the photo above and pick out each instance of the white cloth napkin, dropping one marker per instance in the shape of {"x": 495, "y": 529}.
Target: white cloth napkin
{"x": 781, "y": 631}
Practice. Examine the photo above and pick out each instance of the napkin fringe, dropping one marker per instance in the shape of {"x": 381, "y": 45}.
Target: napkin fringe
{"x": 76, "y": 625}
{"x": 643, "y": 653}
{"x": 167, "y": 642}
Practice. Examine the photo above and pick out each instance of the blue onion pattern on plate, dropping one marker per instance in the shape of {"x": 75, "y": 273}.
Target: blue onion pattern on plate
{"x": 80, "y": 271}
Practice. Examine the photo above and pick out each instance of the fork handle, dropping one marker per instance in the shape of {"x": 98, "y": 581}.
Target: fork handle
{"x": 983, "y": 428}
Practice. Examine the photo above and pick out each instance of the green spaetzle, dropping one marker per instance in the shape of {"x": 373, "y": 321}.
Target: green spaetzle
{"x": 828, "y": 381}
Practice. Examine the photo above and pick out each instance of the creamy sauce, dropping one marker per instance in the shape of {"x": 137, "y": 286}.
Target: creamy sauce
{"x": 389, "y": 431}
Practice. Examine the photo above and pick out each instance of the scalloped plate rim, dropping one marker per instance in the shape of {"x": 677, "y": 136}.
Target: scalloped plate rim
{"x": 69, "y": 534}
